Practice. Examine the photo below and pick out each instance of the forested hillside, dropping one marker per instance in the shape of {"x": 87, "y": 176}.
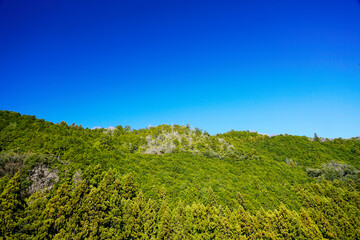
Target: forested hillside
{"x": 61, "y": 181}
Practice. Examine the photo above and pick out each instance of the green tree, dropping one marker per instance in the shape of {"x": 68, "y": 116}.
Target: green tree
{"x": 129, "y": 188}
{"x": 11, "y": 204}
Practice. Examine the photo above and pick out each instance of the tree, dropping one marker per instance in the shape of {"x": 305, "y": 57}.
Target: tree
{"x": 129, "y": 188}
{"x": 316, "y": 138}
{"x": 11, "y": 204}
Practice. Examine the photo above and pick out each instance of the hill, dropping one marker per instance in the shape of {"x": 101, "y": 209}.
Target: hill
{"x": 173, "y": 182}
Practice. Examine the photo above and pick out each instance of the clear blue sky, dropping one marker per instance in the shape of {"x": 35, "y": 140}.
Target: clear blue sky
{"x": 270, "y": 66}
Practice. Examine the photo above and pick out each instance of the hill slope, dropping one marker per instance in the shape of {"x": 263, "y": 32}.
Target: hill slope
{"x": 248, "y": 180}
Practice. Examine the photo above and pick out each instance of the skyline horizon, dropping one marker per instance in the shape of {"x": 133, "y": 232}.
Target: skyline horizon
{"x": 276, "y": 67}
{"x": 185, "y": 125}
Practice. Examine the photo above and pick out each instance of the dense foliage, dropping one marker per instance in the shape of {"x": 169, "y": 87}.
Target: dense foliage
{"x": 172, "y": 182}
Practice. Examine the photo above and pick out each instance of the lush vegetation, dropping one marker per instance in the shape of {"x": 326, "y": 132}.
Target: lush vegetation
{"x": 172, "y": 182}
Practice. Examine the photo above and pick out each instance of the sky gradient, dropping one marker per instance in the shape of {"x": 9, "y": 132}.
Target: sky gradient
{"x": 269, "y": 66}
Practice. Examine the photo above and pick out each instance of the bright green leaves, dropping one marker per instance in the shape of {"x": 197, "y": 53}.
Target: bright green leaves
{"x": 11, "y": 205}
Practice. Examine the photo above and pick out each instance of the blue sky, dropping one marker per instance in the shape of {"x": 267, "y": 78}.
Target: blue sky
{"x": 269, "y": 66}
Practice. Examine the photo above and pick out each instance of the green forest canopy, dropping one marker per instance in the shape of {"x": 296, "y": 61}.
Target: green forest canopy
{"x": 173, "y": 182}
